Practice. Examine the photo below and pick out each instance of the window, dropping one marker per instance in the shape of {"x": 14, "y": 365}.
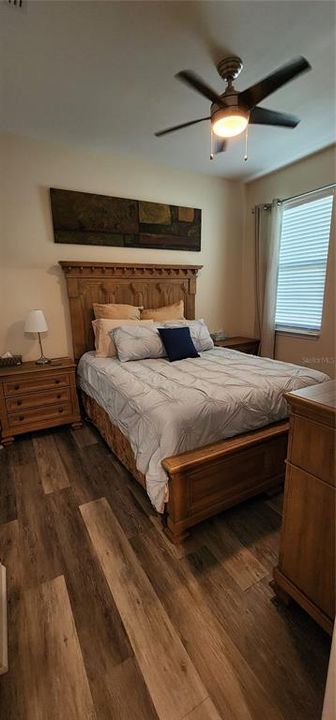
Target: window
{"x": 303, "y": 258}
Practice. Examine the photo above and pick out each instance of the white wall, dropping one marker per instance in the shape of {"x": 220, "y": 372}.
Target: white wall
{"x": 308, "y": 174}
{"x": 30, "y": 276}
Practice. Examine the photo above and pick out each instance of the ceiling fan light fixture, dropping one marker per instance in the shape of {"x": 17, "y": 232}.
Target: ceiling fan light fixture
{"x": 229, "y": 122}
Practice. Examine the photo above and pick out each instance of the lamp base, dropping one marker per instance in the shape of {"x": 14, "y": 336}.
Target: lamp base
{"x": 42, "y": 360}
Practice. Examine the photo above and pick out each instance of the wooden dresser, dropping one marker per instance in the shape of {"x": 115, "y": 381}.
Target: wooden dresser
{"x": 34, "y": 397}
{"x": 306, "y": 570}
{"x": 243, "y": 344}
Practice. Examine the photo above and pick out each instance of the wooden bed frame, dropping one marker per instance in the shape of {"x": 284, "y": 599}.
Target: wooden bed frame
{"x": 202, "y": 482}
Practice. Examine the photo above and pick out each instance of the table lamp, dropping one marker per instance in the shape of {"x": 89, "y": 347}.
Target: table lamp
{"x": 36, "y": 323}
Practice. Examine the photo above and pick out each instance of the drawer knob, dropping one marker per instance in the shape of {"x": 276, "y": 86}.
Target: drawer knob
{"x": 57, "y": 382}
{"x": 21, "y": 417}
{"x": 19, "y": 402}
{"x": 60, "y": 410}
{"x": 16, "y": 387}
{"x": 59, "y": 396}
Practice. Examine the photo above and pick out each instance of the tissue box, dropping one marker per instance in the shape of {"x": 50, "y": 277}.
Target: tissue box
{"x": 10, "y": 361}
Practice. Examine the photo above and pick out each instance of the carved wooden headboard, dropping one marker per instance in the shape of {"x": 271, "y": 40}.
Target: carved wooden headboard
{"x": 139, "y": 284}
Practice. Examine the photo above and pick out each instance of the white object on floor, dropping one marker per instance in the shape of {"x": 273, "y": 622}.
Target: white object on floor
{"x": 3, "y": 622}
{"x": 329, "y": 705}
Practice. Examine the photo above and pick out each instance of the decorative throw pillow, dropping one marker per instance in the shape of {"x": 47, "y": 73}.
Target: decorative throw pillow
{"x": 198, "y": 330}
{"x": 167, "y": 312}
{"x": 104, "y": 344}
{"x": 114, "y": 311}
{"x": 137, "y": 342}
{"x": 178, "y": 343}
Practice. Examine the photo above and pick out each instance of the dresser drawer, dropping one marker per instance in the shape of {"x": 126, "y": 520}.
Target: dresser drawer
{"x": 38, "y": 400}
{"x": 26, "y": 385}
{"x": 35, "y": 416}
{"x": 312, "y": 447}
{"x": 307, "y": 554}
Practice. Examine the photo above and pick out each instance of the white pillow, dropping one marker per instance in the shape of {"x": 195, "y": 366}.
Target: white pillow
{"x": 104, "y": 344}
{"x": 198, "y": 330}
{"x": 137, "y": 342}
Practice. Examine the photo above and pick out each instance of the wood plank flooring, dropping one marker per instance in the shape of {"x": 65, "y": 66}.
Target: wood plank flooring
{"x": 109, "y": 621}
{"x": 50, "y": 638}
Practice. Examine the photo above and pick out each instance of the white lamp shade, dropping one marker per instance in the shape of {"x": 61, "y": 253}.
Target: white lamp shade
{"x": 35, "y": 322}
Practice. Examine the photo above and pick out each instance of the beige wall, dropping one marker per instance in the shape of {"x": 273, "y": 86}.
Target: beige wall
{"x": 308, "y": 174}
{"x": 30, "y": 276}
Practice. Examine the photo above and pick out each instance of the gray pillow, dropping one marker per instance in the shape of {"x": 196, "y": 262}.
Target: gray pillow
{"x": 136, "y": 342}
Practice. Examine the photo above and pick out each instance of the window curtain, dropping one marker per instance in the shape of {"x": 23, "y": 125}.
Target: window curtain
{"x": 267, "y": 232}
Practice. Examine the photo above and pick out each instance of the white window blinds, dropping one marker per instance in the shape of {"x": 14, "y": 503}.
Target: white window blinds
{"x": 303, "y": 258}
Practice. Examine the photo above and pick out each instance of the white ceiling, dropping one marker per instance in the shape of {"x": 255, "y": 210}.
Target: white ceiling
{"x": 101, "y": 75}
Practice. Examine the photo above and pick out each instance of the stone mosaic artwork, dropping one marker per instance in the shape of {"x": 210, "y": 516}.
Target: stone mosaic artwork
{"x": 87, "y": 219}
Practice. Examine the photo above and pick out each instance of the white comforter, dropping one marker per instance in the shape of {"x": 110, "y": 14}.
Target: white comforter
{"x": 167, "y": 408}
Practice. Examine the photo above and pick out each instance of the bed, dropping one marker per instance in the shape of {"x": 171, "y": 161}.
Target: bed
{"x": 146, "y": 410}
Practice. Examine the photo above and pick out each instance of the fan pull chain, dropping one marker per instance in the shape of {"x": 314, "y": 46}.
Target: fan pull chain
{"x": 246, "y": 144}
{"x": 211, "y": 144}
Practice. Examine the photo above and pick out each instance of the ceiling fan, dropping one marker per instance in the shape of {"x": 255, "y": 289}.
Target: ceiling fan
{"x": 232, "y": 111}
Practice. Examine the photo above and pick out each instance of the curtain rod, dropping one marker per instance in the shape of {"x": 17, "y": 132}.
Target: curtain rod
{"x": 267, "y": 206}
{"x": 309, "y": 192}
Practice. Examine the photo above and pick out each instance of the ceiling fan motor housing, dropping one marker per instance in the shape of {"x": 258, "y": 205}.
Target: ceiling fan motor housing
{"x": 231, "y": 103}
{"x": 231, "y": 117}
{"x": 230, "y": 67}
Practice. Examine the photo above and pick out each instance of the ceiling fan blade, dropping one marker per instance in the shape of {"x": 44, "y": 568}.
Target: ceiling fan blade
{"x": 190, "y": 78}
{"x": 254, "y": 94}
{"x": 179, "y": 127}
{"x": 261, "y": 116}
{"x": 219, "y": 145}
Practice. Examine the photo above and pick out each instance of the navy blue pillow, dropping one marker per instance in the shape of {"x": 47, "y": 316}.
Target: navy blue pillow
{"x": 178, "y": 343}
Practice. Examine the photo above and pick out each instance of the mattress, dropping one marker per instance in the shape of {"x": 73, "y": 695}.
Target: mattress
{"x": 164, "y": 408}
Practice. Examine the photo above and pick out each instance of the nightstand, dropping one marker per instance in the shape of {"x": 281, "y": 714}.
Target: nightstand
{"x": 243, "y": 344}
{"x": 34, "y": 397}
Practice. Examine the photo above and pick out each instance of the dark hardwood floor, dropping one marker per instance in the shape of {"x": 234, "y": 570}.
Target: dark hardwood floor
{"x": 108, "y": 620}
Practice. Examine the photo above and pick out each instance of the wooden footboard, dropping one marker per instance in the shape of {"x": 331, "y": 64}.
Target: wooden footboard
{"x": 206, "y": 481}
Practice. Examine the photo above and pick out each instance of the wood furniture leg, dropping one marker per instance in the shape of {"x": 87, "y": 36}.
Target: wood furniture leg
{"x": 280, "y": 593}
{"x": 274, "y": 490}
{"x": 177, "y": 510}
{"x": 7, "y": 441}
{"x": 175, "y": 535}
{"x": 171, "y": 530}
